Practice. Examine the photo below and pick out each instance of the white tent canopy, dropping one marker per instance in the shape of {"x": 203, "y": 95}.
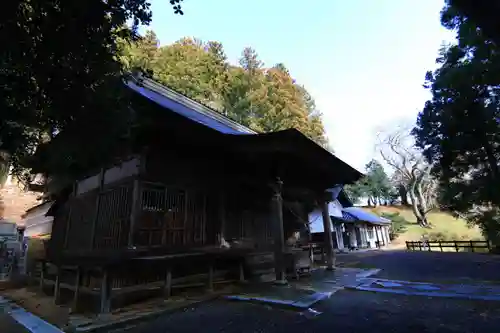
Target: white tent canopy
{"x": 316, "y": 217}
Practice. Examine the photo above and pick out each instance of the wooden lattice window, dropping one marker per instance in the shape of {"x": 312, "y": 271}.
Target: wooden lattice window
{"x": 171, "y": 217}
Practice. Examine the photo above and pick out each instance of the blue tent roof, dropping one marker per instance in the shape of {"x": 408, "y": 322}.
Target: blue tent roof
{"x": 347, "y": 215}
{"x": 365, "y": 216}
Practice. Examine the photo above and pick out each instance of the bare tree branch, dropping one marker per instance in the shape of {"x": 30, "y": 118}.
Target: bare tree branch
{"x": 398, "y": 150}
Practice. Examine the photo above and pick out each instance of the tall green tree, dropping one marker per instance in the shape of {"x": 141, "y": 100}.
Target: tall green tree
{"x": 246, "y": 97}
{"x": 376, "y": 186}
{"x": 250, "y": 61}
{"x": 184, "y": 66}
{"x": 60, "y": 72}
{"x": 142, "y": 54}
{"x": 218, "y": 73}
{"x": 355, "y": 191}
{"x": 264, "y": 99}
{"x": 459, "y": 128}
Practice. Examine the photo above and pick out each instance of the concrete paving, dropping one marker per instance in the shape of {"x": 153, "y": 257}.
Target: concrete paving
{"x": 304, "y": 293}
{"x": 8, "y": 324}
{"x": 487, "y": 292}
{"x": 14, "y": 319}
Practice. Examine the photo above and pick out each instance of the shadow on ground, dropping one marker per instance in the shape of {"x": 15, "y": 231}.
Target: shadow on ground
{"x": 443, "y": 267}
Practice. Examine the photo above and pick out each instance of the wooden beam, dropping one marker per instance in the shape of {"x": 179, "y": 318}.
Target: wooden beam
{"x": 279, "y": 234}
{"x": 96, "y": 211}
{"x": 71, "y": 287}
{"x": 327, "y": 228}
{"x": 135, "y": 211}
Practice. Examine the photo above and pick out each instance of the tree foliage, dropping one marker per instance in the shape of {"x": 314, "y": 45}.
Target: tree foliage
{"x": 264, "y": 99}
{"x": 375, "y": 186}
{"x": 459, "y": 127}
{"x": 59, "y": 72}
{"x": 62, "y": 67}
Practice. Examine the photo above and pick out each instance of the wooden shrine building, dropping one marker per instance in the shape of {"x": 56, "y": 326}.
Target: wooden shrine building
{"x": 198, "y": 196}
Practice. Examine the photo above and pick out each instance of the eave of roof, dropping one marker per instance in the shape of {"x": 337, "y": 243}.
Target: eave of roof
{"x": 246, "y": 141}
{"x": 292, "y": 142}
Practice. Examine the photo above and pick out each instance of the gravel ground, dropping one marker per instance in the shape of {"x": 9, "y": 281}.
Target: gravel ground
{"x": 358, "y": 311}
{"x": 349, "y": 311}
{"x": 429, "y": 266}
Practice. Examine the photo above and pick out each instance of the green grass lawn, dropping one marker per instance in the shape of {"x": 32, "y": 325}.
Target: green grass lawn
{"x": 443, "y": 226}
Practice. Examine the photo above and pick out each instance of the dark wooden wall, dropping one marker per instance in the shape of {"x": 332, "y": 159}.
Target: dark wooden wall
{"x": 184, "y": 202}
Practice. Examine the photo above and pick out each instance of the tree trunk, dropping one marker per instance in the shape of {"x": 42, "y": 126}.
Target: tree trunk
{"x": 415, "y": 206}
{"x": 493, "y": 165}
{"x": 422, "y": 204}
{"x": 492, "y": 161}
{"x": 403, "y": 193}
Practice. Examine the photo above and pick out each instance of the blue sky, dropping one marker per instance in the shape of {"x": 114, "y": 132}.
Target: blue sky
{"x": 363, "y": 61}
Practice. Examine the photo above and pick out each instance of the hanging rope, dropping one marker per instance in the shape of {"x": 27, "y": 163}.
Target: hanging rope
{"x": 285, "y": 204}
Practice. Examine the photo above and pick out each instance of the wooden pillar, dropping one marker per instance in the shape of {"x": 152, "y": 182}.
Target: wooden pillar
{"x": 96, "y": 211}
{"x": 105, "y": 292}
{"x": 135, "y": 212}
{"x": 242, "y": 271}
{"x": 388, "y": 234}
{"x": 379, "y": 228}
{"x": 43, "y": 269}
{"x": 68, "y": 217}
{"x": 327, "y": 231}
{"x": 76, "y": 295}
{"x": 57, "y": 286}
{"x": 376, "y": 234}
{"x": 211, "y": 276}
{"x": 167, "y": 289}
{"x": 279, "y": 234}
{"x": 339, "y": 236}
{"x": 222, "y": 219}
{"x": 309, "y": 242}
